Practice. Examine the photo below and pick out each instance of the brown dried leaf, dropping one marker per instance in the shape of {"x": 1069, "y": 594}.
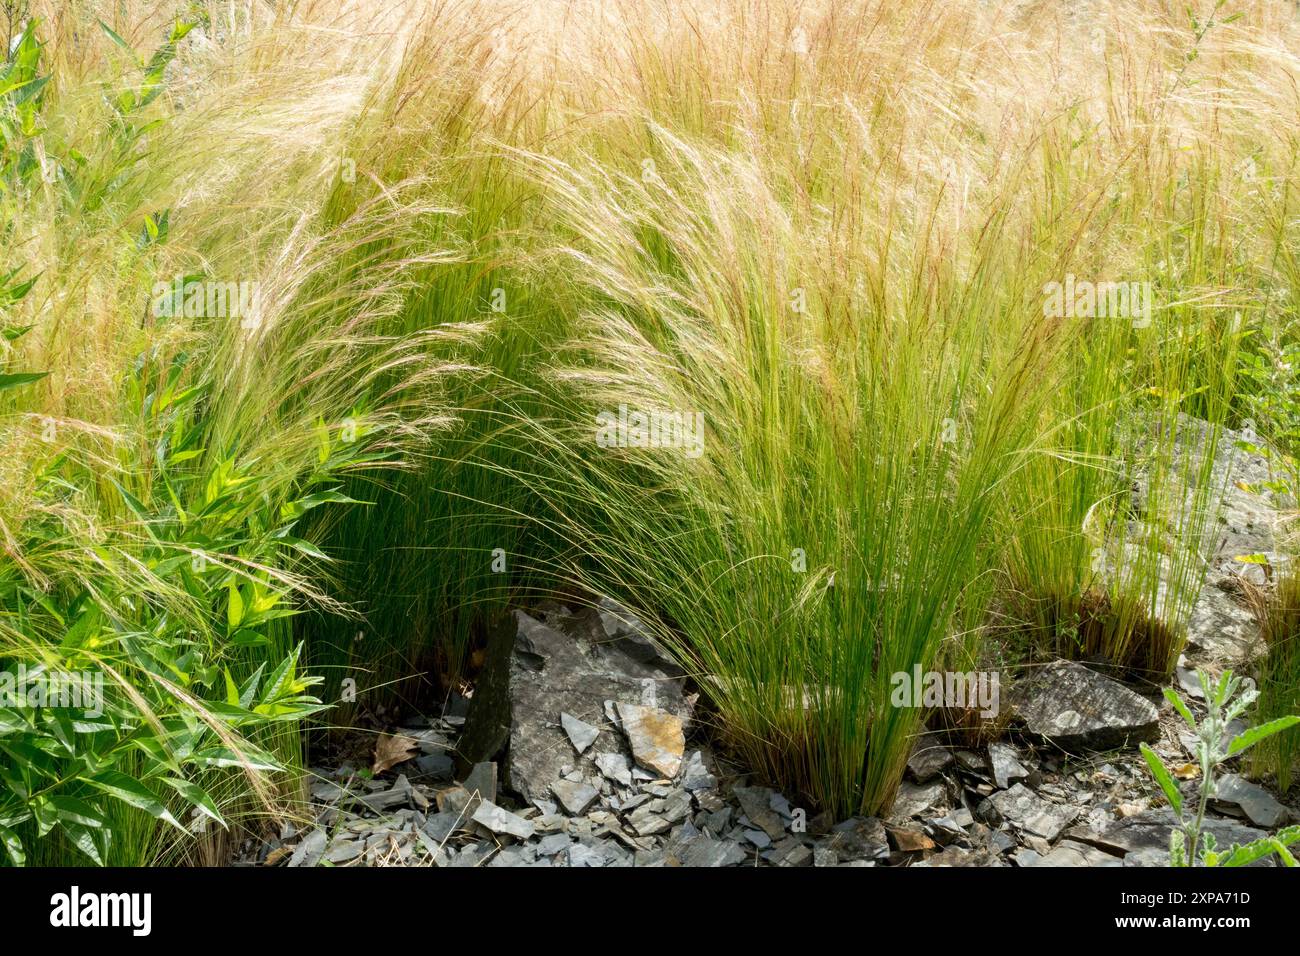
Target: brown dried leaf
{"x": 392, "y": 749}
{"x": 276, "y": 855}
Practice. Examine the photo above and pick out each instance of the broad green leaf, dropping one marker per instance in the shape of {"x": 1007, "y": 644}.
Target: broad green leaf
{"x": 14, "y": 379}
{"x": 84, "y": 840}
{"x": 77, "y": 811}
{"x": 234, "y": 607}
{"x": 133, "y": 792}
{"x": 1255, "y": 734}
{"x": 232, "y": 692}
{"x": 13, "y": 846}
{"x": 1180, "y": 706}
{"x": 252, "y": 759}
{"x": 1163, "y": 778}
{"x": 112, "y": 35}
{"x": 197, "y": 796}
{"x": 247, "y": 637}
{"x": 306, "y": 547}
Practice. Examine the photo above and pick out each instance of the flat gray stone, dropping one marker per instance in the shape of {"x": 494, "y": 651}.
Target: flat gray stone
{"x": 1251, "y": 800}
{"x": 857, "y": 838}
{"x": 574, "y": 797}
{"x": 553, "y": 843}
{"x": 581, "y": 734}
{"x": 1072, "y": 853}
{"x": 398, "y": 794}
{"x": 439, "y": 766}
{"x": 482, "y": 781}
{"x": 502, "y": 822}
{"x": 695, "y": 775}
{"x": 615, "y": 767}
{"x": 646, "y": 821}
{"x": 344, "y": 851}
{"x": 1077, "y": 709}
{"x": 797, "y": 856}
{"x": 958, "y": 856}
{"x": 706, "y": 851}
{"x": 309, "y": 851}
{"x": 914, "y": 799}
{"x": 581, "y": 855}
{"x": 1005, "y": 765}
{"x": 440, "y": 826}
{"x": 928, "y": 760}
{"x": 677, "y": 806}
{"x": 1028, "y": 812}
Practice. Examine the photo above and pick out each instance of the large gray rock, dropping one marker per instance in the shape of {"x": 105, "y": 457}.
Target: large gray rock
{"x": 1220, "y": 629}
{"x": 1077, "y": 709}
{"x": 536, "y": 673}
{"x": 1145, "y": 836}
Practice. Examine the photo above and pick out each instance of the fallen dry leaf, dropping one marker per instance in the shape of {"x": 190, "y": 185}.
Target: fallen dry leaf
{"x": 1187, "y": 771}
{"x": 390, "y": 750}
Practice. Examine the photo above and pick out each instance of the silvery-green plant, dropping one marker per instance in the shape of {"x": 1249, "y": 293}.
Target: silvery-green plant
{"x": 1226, "y": 699}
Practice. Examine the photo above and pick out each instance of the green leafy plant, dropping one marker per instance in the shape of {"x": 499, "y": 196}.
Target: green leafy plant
{"x": 12, "y": 291}
{"x": 1226, "y": 699}
{"x": 163, "y": 604}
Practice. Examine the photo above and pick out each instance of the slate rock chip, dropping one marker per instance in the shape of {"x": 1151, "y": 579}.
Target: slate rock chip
{"x": 913, "y": 800}
{"x": 1236, "y": 793}
{"x": 1028, "y": 812}
{"x": 928, "y": 760}
{"x": 657, "y": 738}
{"x": 857, "y": 838}
{"x": 1073, "y": 853}
{"x": 757, "y": 804}
{"x": 704, "y": 850}
{"x": 1005, "y": 765}
{"x": 581, "y": 734}
{"x": 695, "y": 775}
{"x": 502, "y": 822}
{"x": 574, "y": 797}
